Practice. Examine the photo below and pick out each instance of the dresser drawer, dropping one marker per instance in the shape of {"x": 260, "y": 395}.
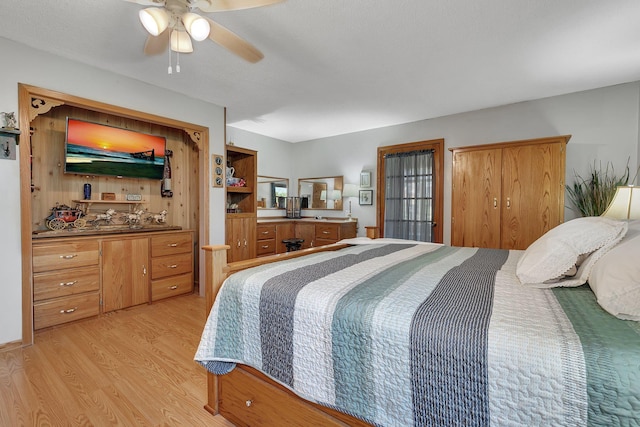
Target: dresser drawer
{"x": 64, "y": 283}
{"x": 246, "y": 400}
{"x": 171, "y": 286}
{"x": 327, "y": 231}
{"x": 65, "y": 255}
{"x": 175, "y": 243}
{"x": 266, "y": 247}
{"x": 64, "y": 310}
{"x": 265, "y": 231}
{"x": 171, "y": 265}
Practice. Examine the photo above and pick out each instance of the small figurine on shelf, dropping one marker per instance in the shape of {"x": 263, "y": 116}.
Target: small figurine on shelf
{"x": 9, "y": 120}
{"x": 62, "y": 216}
{"x": 106, "y": 217}
{"x": 160, "y": 218}
{"x": 133, "y": 219}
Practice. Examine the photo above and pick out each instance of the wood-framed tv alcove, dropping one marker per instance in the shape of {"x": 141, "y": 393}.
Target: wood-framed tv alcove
{"x": 42, "y": 114}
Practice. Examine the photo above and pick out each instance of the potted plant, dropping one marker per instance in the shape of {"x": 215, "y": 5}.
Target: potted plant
{"x": 591, "y": 196}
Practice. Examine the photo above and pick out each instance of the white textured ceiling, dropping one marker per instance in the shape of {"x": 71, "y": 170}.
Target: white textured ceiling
{"x": 339, "y": 66}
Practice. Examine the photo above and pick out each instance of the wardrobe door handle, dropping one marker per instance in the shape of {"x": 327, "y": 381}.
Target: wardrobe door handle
{"x": 508, "y": 203}
{"x": 495, "y": 202}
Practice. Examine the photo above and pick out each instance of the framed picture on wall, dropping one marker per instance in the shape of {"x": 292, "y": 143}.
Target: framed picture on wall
{"x": 365, "y": 179}
{"x": 366, "y": 197}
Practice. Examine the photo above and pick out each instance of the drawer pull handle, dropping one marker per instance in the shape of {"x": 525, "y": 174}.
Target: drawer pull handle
{"x": 68, "y": 256}
{"x": 325, "y": 232}
{"x": 172, "y": 245}
{"x": 69, "y": 310}
{"x": 69, "y": 283}
{"x": 265, "y": 232}
{"x": 265, "y": 246}
{"x": 248, "y": 403}
{"x": 172, "y": 266}
{"x": 174, "y": 287}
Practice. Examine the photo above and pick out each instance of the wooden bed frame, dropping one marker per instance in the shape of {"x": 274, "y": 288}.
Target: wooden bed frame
{"x": 245, "y": 396}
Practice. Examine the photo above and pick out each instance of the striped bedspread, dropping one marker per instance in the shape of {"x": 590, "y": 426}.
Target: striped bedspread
{"x": 428, "y": 335}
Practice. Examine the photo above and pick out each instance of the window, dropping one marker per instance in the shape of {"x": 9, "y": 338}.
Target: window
{"x": 411, "y": 189}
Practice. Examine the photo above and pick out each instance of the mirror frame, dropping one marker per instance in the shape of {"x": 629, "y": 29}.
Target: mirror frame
{"x": 338, "y": 184}
{"x": 272, "y": 179}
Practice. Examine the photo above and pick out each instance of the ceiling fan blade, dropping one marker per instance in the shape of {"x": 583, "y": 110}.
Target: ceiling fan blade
{"x": 148, "y": 2}
{"x": 233, "y": 42}
{"x": 155, "y": 45}
{"x": 225, "y": 5}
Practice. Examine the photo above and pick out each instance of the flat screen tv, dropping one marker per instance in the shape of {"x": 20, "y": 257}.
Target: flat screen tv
{"x": 95, "y": 149}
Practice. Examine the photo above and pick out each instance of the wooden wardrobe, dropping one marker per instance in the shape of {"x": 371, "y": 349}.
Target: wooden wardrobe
{"x": 506, "y": 195}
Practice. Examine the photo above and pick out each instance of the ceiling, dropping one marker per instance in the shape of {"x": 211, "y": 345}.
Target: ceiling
{"x": 338, "y": 66}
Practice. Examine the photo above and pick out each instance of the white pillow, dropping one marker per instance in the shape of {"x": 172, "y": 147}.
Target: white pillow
{"x": 615, "y": 278}
{"x": 558, "y": 250}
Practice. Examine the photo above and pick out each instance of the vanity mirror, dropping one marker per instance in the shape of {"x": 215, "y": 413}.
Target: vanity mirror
{"x": 272, "y": 192}
{"x": 321, "y": 193}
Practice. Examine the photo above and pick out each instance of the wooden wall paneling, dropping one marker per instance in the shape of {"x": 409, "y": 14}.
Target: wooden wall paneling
{"x": 53, "y": 186}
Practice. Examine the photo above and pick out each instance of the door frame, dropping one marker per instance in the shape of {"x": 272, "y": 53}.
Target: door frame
{"x": 437, "y": 145}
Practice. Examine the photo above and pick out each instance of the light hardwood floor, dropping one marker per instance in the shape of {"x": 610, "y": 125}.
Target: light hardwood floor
{"x": 128, "y": 368}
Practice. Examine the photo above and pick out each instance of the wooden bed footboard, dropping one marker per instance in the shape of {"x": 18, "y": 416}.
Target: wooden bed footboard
{"x": 245, "y": 396}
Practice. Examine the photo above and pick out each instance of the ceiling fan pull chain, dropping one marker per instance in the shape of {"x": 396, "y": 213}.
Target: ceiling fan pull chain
{"x": 169, "y": 70}
{"x": 177, "y": 62}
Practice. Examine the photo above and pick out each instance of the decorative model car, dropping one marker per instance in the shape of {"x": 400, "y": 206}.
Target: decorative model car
{"x": 63, "y": 216}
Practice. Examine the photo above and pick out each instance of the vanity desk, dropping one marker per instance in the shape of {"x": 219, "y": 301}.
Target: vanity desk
{"x": 315, "y": 232}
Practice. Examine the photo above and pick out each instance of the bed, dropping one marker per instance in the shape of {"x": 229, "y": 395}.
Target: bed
{"x": 396, "y": 333}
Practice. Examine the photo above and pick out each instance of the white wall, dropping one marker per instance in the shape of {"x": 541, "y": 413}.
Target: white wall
{"x": 603, "y": 124}
{"x": 37, "y": 68}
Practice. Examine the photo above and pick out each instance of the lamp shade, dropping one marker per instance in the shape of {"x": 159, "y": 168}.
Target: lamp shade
{"x": 181, "y": 42}
{"x": 154, "y": 19}
{"x": 625, "y": 203}
{"x": 196, "y": 26}
{"x": 350, "y": 190}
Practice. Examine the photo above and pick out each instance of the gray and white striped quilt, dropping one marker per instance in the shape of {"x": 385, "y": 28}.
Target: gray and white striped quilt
{"x": 428, "y": 335}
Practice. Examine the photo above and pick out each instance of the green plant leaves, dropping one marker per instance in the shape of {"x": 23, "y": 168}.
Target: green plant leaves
{"x": 591, "y": 196}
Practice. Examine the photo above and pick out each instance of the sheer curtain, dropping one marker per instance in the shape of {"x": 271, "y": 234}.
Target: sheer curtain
{"x": 409, "y": 184}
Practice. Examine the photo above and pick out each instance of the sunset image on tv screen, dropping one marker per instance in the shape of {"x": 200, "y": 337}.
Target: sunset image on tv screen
{"x": 95, "y": 149}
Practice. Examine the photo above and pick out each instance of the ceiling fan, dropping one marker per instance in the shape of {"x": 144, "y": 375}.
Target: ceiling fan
{"x": 173, "y": 23}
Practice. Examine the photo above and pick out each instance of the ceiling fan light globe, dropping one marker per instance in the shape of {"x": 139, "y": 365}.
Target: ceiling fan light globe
{"x": 154, "y": 19}
{"x": 181, "y": 42}
{"x": 196, "y": 26}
